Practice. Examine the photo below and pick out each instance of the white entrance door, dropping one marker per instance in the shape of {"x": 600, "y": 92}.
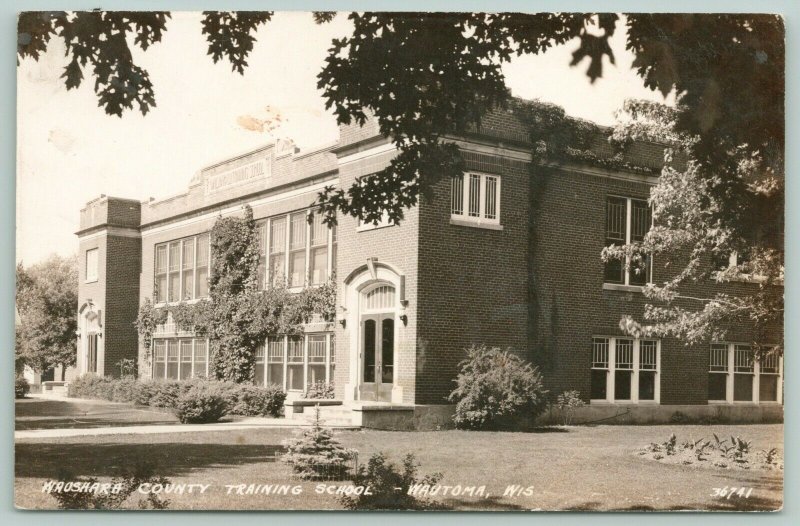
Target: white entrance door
{"x": 377, "y": 356}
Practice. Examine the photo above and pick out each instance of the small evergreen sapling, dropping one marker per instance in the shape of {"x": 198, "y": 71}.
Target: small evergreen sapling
{"x": 316, "y": 454}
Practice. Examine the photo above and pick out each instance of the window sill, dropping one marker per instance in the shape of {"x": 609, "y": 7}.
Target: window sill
{"x": 475, "y": 224}
{"x": 95, "y": 280}
{"x": 623, "y": 288}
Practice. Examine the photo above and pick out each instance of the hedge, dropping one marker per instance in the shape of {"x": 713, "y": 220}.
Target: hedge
{"x": 239, "y": 399}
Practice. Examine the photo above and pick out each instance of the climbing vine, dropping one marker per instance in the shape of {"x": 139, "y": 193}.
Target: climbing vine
{"x": 558, "y": 137}
{"x": 238, "y": 317}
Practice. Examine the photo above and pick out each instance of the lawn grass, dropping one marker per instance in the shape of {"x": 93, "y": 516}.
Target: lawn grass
{"x": 37, "y": 413}
{"x": 582, "y": 468}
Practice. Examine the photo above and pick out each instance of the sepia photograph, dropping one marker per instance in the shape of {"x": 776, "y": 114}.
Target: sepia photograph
{"x": 440, "y": 261}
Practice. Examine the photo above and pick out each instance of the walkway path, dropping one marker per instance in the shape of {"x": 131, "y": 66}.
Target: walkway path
{"x": 111, "y": 418}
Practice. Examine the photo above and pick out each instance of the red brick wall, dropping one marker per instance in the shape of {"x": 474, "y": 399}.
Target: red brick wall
{"x": 123, "y": 264}
{"x": 568, "y": 303}
{"x": 472, "y": 281}
{"x": 396, "y": 245}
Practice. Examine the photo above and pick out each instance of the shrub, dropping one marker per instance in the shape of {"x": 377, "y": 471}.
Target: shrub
{"x": 319, "y": 390}
{"x": 567, "y": 402}
{"x": 389, "y": 487}
{"x": 91, "y": 386}
{"x": 165, "y": 393}
{"x": 21, "y": 387}
{"x": 202, "y": 404}
{"x": 316, "y": 454}
{"x": 124, "y": 390}
{"x": 143, "y": 392}
{"x": 249, "y": 400}
{"x": 495, "y": 385}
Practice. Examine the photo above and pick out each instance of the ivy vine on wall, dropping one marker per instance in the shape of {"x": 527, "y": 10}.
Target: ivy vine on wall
{"x": 559, "y": 137}
{"x": 238, "y": 317}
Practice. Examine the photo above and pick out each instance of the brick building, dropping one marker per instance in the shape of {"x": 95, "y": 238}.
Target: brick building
{"x": 507, "y": 256}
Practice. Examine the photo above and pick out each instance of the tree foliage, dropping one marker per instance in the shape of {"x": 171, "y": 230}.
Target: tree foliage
{"x": 47, "y": 298}
{"x": 695, "y": 233}
{"x": 428, "y": 76}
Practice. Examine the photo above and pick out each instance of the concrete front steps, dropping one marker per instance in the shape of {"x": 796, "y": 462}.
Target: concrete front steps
{"x": 372, "y": 415}
{"x": 54, "y": 388}
{"x": 332, "y": 415}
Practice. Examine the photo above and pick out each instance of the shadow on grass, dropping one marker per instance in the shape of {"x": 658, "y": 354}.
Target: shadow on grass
{"x": 80, "y": 422}
{"x": 55, "y": 408}
{"x": 44, "y": 460}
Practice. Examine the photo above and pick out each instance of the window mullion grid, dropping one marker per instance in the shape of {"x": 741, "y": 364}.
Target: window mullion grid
{"x": 195, "y": 286}
{"x": 180, "y": 270}
{"x": 657, "y": 394}
{"x": 328, "y": 358}
{"x": 329, "y": 245}
{"x": 497, "y": 199}
{"x": 287, "y": 234}
{"x": 307, "y": 267}
{"x": 166, "y": 282}
{"x": 612, "y": 365}
{"x": 731, "y": 373}
{"x": 285, "y": 362}
{"x": 482, "y": 198}
{"x": 267, "y": 257}
{"x": 305, "y": 363}
{"x": 466, "y": 183}
{"x": 628, "y": 211}
{"x": 635, "y": 372}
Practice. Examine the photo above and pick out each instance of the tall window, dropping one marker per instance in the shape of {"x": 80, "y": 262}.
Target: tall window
{"x": 159, "y": 358}
{"x": 277, "y": 250}
{"x": 259, "y": 373}
{"x": 627, "y": 221}
{"x": 174, "y": 276}
{"x": 186, "y": 358}
{"x": 181, "y": 269}
{"x": 734, "y": 375}
{"x": 297, "y": 250}
{"x": 318, "y": 261}
{"x": 295, "y": 365}
{"x": 276, "y": 358}
{"x": 306, "y": 250}
{"x": 202, "y": 262}
{"x": 295, "y": 362}
{"x": 91, "y": 264}
{"x": 179, "y": 358}
{"x": 475, "y": 198}
{"x": 317, "y": 344}
{"x": 262, "y": 254}
{"x": 187, "y": 269}
{"x": 625, "y": 370}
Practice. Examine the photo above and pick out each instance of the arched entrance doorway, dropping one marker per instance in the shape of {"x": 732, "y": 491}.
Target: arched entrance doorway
{"x": 374, "y": 319}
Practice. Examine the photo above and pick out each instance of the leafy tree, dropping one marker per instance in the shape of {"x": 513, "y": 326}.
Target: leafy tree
{"x": 696, "y": 232}
{"x": 47, "y": 299}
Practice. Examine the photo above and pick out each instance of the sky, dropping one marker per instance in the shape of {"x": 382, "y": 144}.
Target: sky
{"x": 69, "y": 151}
